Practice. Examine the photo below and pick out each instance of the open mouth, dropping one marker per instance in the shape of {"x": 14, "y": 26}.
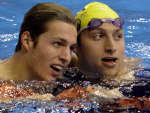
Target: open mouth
{"x": 57, "y": 68}
{"x": 109, "y": 62}
{"x": 109, "y": 59}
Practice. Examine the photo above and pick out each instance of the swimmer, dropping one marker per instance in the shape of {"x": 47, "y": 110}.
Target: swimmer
{"x": 100, "y": 50}
{"x": 46, "y": 40}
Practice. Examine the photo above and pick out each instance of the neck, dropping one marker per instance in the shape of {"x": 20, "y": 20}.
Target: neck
{"x": 91, "y": 75}
{"x": 123, "y": 75}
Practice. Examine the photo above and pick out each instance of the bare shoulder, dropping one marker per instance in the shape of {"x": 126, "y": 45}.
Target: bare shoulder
{"x": 133, "y": 59}
{"x": 132, "y": 62}
{"x": 3, "y": 60}
{"x": 129, "y": 65}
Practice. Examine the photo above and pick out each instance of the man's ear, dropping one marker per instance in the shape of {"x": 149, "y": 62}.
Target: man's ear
{"x": 26, "y": 41}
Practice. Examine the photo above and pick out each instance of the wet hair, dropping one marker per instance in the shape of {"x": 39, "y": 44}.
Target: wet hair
{"x": 79, "y": 40}
{"x": 78, "y": 29}
{"x": 36, "y": 18}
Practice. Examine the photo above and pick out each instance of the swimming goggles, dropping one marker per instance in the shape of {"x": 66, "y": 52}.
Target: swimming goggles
{"x": 95, "y": 23}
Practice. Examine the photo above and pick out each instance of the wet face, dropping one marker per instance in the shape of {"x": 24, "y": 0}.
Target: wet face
{"x": 102, "y": 50}
{"x": 53, "y": 51}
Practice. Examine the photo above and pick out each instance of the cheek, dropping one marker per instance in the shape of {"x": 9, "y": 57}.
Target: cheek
{"x": 121, "y": 52}
{"x": 91, "y": 46}
{"x": 93, "y": 49}
{"x": 44, "y": 53}
{"x": 91, "y": 54}
{"x": 122, "y": 48}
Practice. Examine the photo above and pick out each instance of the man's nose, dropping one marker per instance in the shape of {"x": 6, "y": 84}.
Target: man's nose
{"x": 110, "y": 45}
{"x": 65, "y": 56}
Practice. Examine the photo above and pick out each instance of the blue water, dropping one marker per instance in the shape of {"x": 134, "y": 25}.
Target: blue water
{"x": 135, "y": 12}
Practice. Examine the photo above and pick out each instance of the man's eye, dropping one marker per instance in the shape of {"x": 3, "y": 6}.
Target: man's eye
{"x": 57, "y": 44}
{"x": 98, "y": 36}
{"x": 119, "y": 36}
{"x": 73, "y": 48}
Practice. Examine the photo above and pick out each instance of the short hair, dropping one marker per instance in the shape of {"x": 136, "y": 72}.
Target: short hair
{"x": 36, "y": 18}
{"x": 79, "y": 40}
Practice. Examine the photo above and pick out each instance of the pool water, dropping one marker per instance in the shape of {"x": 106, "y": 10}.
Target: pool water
{"x": 136, "y": 32}
{"x": 82, "y": 103}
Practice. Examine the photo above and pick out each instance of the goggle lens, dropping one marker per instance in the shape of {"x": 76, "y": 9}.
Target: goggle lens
{"x": 95, "y": 23}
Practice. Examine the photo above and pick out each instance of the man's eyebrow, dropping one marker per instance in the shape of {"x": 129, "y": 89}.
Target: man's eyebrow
{"x": 65, "y": 41}
{"x": 61, "y": 39}
{"x": 74, "y": 45}
{"x": 98, "y": 29}
{"x": 118, "y": 30}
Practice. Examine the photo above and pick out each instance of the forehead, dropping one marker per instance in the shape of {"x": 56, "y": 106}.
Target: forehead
{"x": 108, "y": 26}
{"x": 59, "y": 29}
{"x": 57, "y": 25}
